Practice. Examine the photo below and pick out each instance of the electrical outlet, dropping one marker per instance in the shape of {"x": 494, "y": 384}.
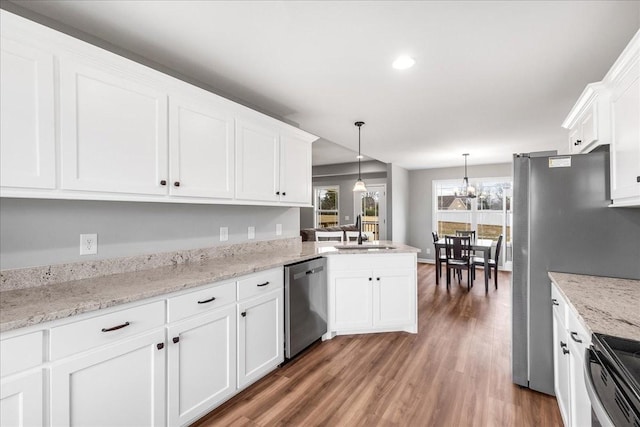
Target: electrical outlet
{"x": 88, "y": 244}
{"x": 224, "y": 234}
{"x": 251, "y": 233}
{"x": 346, "y": 217}
{"x": 428, "y": 251}
{"x": 278, "y": 229}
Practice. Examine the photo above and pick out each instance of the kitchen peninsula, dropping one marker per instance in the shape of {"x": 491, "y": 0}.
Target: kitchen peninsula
{"x": 182, "y": 315}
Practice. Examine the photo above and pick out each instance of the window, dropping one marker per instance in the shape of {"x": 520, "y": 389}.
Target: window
{"x": 325, "y": 204}
{"x": 489, "y": 213}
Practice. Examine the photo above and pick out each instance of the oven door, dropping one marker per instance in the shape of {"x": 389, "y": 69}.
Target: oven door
{"x": 609, "y": 404}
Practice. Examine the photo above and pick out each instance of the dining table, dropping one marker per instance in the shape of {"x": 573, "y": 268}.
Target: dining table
{"x": 478, "y": 245}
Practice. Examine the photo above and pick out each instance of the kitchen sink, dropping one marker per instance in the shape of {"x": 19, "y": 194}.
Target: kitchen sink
{"x": 363, "y": 247}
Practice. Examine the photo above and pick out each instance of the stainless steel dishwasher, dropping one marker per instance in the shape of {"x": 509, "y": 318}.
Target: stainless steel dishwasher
{"x": 305, "y": 304}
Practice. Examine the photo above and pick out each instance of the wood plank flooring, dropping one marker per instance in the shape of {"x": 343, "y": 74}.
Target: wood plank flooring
{"x": 455, "y": 372}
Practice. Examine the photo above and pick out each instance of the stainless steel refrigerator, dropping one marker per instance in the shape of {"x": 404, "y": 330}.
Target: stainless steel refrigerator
{"x": 561, "y": 222}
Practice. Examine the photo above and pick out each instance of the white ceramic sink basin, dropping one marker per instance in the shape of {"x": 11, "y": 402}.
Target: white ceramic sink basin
{"x": 363, "y": 247}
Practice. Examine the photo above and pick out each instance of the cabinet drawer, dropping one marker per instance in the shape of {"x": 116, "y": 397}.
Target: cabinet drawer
{"x": 100, "y": 330}
{"x": 260, "y": 283}
{"x": 372, "y": 262}
{"x": 212, "y": 297}
{"x": 20, "y": 353}
{"x": 559, "y": 303}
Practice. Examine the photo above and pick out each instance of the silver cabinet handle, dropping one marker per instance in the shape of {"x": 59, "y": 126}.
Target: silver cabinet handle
{"x": 574, "y": 336}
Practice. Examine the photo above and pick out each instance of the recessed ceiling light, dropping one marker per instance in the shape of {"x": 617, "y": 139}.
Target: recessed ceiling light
{"x": 403, "y": 62}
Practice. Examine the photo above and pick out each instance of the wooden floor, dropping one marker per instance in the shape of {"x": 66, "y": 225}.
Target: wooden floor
{"x": 454, "y": 372}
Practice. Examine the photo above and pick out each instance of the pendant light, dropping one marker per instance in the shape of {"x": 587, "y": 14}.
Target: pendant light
{"x": 467, "y": 190}
{"x": 359, "y": 183}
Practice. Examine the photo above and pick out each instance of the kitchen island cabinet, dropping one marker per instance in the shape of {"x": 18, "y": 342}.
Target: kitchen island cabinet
{"x": 372, "y": 293}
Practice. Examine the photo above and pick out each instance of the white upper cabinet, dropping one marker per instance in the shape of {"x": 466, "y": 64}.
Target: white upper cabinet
{"x": 625, "y": 123}
{"x": 201, "y": 141}
{"x": 588, "y": 121}
{"x": 608, "y": 112}
{"x": 79, "y": 122}
{"x": 295, "y": 168}
{"x": 273, "y": 163}
{"x": 113, "y": 131}
{"x": 257, "y": 163}
{"x": 27, "y": 158}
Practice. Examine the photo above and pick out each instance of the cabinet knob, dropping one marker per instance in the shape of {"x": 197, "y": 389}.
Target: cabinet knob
{"x": 370, "y": 279}
{"x": 578, "y": 142}
{"x": 378, "y": 279}
{"x": 565, "y": 351}
{"x": 176, "y": 184}
{"x": 637, "y": 178}
{"x": 243, "y": 314}
{"x": 175, "y": 340}
{"x": 554, "y": 301}
{"x": 277, "y": 193}
{"x": 163, "y": 182}
{"x": 284, "y": 194}
{"x": 160, "y": 346}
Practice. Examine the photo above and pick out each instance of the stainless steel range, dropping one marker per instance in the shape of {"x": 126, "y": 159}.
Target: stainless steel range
{"x": 612, "y": 376}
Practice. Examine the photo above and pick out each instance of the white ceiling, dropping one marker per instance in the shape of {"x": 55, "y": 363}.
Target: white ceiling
{"x": 491, "y": 77}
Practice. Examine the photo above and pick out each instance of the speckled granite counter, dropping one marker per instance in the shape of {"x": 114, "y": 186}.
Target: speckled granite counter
{"x": 605, "y": 305}
{"x": 32, "y": 305}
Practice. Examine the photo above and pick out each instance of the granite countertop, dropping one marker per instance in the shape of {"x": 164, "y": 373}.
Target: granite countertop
{"x": 605, "y": 305}
{"x": 37, "y": 304}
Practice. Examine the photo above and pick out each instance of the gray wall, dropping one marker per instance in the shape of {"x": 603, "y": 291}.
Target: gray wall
{"x": 398, "y": 215}
{"x": 421, "y": 200}
{"x": 345, "y": 176}
{"x": 42, "y": 232}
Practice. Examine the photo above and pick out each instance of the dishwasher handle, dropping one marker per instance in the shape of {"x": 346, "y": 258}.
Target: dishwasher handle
{"x": 308, "y": 272}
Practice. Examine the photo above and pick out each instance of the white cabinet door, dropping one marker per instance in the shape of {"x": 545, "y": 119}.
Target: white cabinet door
{"x": 394, "y": 298}
{"x": 122, "y": 384}
{"x": 201, "y": 364}
{"x": 352, "y": 300}
{"x": 201, "y": 141}
{"x": 625, "y": 146}
{"x": 257, "y": 162}
{"x": 21, "y": 400}
{"x": 260, "y": 336}
{"x": 27, "y": 137}
{"x": 580, "y": 402}
{"x": 113, "y": 131}
{"x": 561, "y": 367}
{"x": 295, "y": 170}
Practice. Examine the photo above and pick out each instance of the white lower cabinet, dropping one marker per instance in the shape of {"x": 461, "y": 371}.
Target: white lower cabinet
{"x": 260, "y": 336}
{"x": 21, "y": 400}
{"x": 381, "y": 298}
{"x": 570, "y": 340}
{"x": 561, "y": 366}
{"x": 201, "y": 364}
{"x": 122, "y": 384}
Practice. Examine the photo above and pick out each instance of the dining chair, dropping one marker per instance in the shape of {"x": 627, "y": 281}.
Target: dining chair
{"x": 441, "y": 258}
{"x": 458, "y": 252}
{"x": 322, "y": 236}
{"x": 352, "y": 236}
{"x": 493, "y": 263}
{"x": 470, "y": 233}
